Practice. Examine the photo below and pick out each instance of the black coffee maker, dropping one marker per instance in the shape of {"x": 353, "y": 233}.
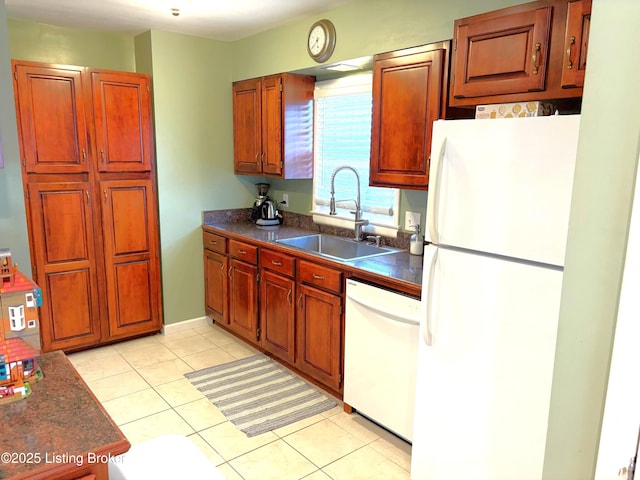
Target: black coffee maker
{"x": 264, "y": 210}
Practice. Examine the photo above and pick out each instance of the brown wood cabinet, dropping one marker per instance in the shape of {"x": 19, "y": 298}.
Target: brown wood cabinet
{"x": 289, "y": 307}
{"x": 277, "y": 304}
{"x": 514, "y": 54}
{"x": 122, "y": 113}
{"x": 576, "y": 42}
{"x": 243, "y": 289}
{"x": 319, "y": 323}
{"x": 61, "y": 225}
{"x": 273, "y": 126}
{"x": 409, "y": 94}
{"x": 52, "y": 118}
{"x": 86, "y": 146}
{"x": 131, "y": 256}
{"x": 216, "y": 280}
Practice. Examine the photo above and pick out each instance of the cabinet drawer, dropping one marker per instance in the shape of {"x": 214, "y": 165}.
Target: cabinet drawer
{"x": 278, "y": 262}
{"x": 243, "y": 251}
{"x": 214, "y": 242}
{"x": 320, "y": 276}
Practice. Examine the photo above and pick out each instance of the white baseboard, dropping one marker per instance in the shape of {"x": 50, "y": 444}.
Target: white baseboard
{"x": 186, "y": 325}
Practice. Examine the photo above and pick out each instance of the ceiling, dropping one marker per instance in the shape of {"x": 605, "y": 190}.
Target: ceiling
{"x": 226, "y": 20}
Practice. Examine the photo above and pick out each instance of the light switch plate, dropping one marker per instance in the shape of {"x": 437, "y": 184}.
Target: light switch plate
{"x": 411, "y": 219}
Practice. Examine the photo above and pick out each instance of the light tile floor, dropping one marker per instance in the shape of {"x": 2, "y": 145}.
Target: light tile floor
{"x": 140, "y": 383}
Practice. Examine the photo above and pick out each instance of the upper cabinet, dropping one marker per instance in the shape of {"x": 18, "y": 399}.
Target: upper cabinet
{"x": 52, "y": 118}
{"x": 122, "y": 116}
{"x": 520, "y": 53}
{"x": 409, "y": 94}
{"x": 576, "y": 42}
{"x": 273, "y": 126}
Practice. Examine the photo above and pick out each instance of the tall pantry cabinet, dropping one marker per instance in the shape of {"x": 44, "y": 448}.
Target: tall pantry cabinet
{"x": 86, "y": 142}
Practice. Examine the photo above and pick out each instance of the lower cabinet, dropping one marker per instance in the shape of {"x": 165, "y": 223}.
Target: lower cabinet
{"x": 319, "y": 334}
{"x": 243, "y": 290}
{"x": 216, "y": 280}
{"x": 65, "y": 264}
{"x": 277, "y": 304}
{"x": 131, "y": 257}
{"x": 284, "y": 305}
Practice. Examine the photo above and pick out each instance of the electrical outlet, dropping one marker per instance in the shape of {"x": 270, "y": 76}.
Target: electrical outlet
{"x": 285, "y": 199}
{"x": 411, "y": 219}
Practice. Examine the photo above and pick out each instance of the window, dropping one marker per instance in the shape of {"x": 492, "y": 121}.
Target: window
{"x": 342, "y": 136}
{"x": 16, "y": 318}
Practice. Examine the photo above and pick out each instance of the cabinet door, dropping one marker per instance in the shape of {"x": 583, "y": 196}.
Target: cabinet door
{"x": 319, "y": 335}
{"x": 501, "y": 53}
{"x": 407, "y": 92}
{"x": 576, "y": 42}
{"x": 62, "y": 233}
{"x": 247, "y": 126}
{"x": 243, "y": 299}
{"x": 277, "y": 310}
{"x": 130, "y": 227}
{"x": 216, "y": 286}
{"x": 272, "y": 125}
{"x": 122, "y": 117}
{"x": 51, "y": 119}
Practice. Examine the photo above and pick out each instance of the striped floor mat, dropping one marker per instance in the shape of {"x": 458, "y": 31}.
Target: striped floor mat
{"x": 257, "y": 394}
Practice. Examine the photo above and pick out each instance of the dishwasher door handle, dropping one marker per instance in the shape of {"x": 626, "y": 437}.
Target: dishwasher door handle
{"x": 400, "y": 317}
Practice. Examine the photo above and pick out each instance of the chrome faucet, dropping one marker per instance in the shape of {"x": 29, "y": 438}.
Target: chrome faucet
{"x": 359, "y": 222}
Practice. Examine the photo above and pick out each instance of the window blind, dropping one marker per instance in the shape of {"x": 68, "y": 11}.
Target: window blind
{"x": 343, "y": 137}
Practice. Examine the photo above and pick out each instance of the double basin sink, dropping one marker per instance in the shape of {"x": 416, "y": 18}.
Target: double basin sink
{"x": 336, "y": 248}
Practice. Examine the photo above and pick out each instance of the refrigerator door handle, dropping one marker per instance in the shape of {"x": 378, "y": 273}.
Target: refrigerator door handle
{"x": 435, "y": 178}
{"x": 431, "y": 258}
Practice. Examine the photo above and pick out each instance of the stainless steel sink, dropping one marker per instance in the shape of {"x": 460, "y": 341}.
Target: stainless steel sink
{"x": 343, "y": 249}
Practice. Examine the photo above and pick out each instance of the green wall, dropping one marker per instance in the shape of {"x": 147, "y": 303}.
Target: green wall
{"x": 51, "y": 44}
{"x": 598, "y": 230}
{"x": 13, "y": 222}
{"x": 194, "y": 145}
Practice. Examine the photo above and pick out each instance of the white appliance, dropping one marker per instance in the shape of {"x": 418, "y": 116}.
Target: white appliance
{"x": 497, "y": 215}
{"x": 380, "y": 355}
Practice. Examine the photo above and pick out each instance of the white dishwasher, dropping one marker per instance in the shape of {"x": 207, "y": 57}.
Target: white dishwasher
{"x": 380, "y": 355}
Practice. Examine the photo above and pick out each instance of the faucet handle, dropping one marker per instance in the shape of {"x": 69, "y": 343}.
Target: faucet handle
{"x": 374, "y": 238}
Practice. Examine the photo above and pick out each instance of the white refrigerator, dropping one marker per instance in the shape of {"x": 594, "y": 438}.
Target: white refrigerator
{"x": 497, "y": 219}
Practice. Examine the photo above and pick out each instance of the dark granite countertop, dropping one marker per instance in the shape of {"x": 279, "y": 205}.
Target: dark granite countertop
{"x": 401, "y": 267}
{"x": 59, "y": 423}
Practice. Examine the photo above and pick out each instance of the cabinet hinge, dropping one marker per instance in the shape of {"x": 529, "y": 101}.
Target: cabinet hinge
{"x": 257, "y": 278}
{"x": 15, "y": 75}
{"x": 26, "y": 194}
{"x": 455, "y": 44}
{"x": 258, "y": 333}
{"x": 280, "y": 84}
{"x": 24, "y": 162}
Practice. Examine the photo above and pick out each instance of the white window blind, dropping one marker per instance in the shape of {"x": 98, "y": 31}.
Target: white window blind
{"x": 343, "y": 137}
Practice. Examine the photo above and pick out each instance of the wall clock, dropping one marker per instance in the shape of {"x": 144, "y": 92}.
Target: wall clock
{"x": 321, "y": 40}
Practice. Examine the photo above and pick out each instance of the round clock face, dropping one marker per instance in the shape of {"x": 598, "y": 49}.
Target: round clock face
{"x": 317, "y": 39}
{"x": 321, "y": 40}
